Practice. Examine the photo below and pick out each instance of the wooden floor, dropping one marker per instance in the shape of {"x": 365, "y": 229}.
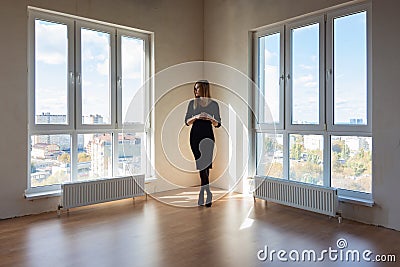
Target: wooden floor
{"x": 152, "y": 233}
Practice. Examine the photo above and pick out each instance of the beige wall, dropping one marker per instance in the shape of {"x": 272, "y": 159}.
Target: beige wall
{"x": 226, "y": 35}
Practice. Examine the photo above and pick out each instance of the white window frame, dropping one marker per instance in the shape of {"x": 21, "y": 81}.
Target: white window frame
{"x": 52, "y": 187}
{"x": 75, "y": 125}
{"x": 146, "y": 84}
{"x": 329, "y": 70}
{"x": 78, "y": 76}
{"x": 289, "y": 74}
{"x": 349, "y": 129}
{"x": 346, "y": 192}
{"x": 269, "y": 31}
{"x": 325, "y": 126}
{"x": 33, "y": 127}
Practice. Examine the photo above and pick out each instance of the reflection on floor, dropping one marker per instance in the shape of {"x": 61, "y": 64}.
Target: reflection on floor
{"x": 187, "y": 197}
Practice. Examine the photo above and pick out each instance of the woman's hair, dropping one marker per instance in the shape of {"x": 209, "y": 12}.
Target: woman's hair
{"x": 204, "y": 88}
{"x": 204, "y": 92}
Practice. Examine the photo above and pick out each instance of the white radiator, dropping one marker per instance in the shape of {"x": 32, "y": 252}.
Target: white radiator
{"x": 82, "y": 193}
{"x": 299, "y": 195}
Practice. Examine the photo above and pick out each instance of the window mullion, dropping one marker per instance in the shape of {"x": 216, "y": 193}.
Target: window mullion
{"x": 115, "y": 153}
{"x": 287, "y": 81}
{"x": 113, "y": 77}
{"x": 329, "y": 73}
{"x": 321, "y": 81}
{"x": 71, "y": 76}
{"x": 78, "y": 71}
{"x": 282, "y": 87}
{"x": 327, "y": 160}
{"x": 74, "y": 156}
{"x": 118, "y": 74}
{"x": 286, "y": 156}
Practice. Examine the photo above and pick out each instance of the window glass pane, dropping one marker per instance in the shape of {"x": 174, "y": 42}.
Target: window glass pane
{"x": 306, "y": 158}
{"x": 133, "y": 97}
{"x": 270, "y": 155}
{"x": 96, "y": 82}
{"x": 350, "y": 69}
{"x": 351, "y": 163}
{"x": 269, "y": 72}
{"x": 94, "y": 156}
{"x": 131, "y": 153}
{"x": 51, "y": 73}
{"x": 50, "y": 159}
{"x": 305, "y": 75}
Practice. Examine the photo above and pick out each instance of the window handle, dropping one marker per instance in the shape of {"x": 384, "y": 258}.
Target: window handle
{"x": 119, "y": 81}
{"x": 78, "y": 78}
{"x": 281, "y": 78}
{"x": 71, "y": 77}
{"x": 328, "y": 74}
{"x": 288, "y": 76}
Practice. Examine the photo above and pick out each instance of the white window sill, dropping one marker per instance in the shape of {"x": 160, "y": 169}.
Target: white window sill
{"x": 148, "y": 180}
{"x": 357, "y": 201}
{"x": 44, "y": 194}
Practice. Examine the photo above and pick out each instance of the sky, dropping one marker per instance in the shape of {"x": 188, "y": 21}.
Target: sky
{"x": 51, "y": 77}
{"x": 51, "y": 71}
{"x": 349, "y": 71}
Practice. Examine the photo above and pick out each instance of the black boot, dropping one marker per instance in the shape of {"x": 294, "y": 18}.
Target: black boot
{"x": 209, "y": 197}
{"x": 201, "y": 197}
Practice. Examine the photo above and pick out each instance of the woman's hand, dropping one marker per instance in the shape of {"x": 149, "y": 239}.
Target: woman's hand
{"x": 206, "y": 116}
{"x": 191, "y": 120}
{"x": 202, "y": 116}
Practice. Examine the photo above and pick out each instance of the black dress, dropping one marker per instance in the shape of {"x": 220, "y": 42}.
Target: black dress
{"x": 202, "y": 135}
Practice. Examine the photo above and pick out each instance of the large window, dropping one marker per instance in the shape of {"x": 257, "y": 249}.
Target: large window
{"x": 87, "y": 100}
{"x": 313, "y": 105}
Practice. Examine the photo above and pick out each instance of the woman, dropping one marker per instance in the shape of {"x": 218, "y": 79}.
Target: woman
{"x": 203, "y": 113}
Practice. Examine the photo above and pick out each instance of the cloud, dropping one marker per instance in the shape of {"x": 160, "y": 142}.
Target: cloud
{"x": 86, "y": 83}
{"x": 96, "y": 51}
{"x": 267, "y": 55}
{"x": 341, "y": 101}
{"x": 103, "y": 67}
{"x": 312, "y": 100}
{"x": 314, "y": 58}
{"x": 97, "y": 104}
{"x": 132, "y": 58}
{"x": 51, "y": 99}
{"x": 270, "y": 56}
{"x": 306, "y": 81}
{"x": 97, "y": 39}
{"x": 306, "y": 67}
{"x": 51, "y": 58}
{"x": 349, "y": 106}
{"x": 51, "y": 42}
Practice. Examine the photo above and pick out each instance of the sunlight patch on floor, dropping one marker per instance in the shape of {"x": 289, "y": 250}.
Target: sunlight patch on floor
{"x": 247, "y": 223}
